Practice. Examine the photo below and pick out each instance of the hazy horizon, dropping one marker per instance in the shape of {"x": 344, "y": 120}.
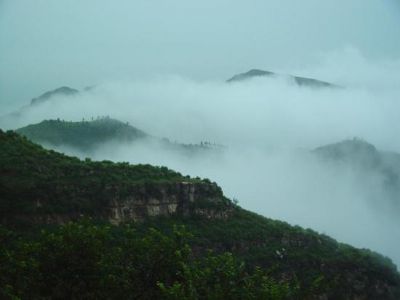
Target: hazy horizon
{"x": 45, "y": 44}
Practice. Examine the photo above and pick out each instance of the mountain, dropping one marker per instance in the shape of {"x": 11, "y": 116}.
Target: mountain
{"x": 353, "y": 151}
{"x": 250, "y": 74}
{"x": 300, "y": 81}
{"x": 87, "y": 136}
{"x": 61, "y": 91}
{"x": 365, "y": 158}
{"x": 149, "y": 237}
{"x": 19, "y": 116}
{"x": 51, "y": 187}
{"x": 368, "y": 164}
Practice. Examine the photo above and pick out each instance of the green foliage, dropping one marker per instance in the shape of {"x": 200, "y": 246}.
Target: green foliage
{"x": 84, "y": 135}
{"x": 224, "y": 277}
{"x": 87, "y": 136}
{"x": 157, "y": 259}
{"x": 315, "y": 264}
{"x": 165, "y": 260}
{"x": 36, "y": 181}
{"x": 91, "y": 261}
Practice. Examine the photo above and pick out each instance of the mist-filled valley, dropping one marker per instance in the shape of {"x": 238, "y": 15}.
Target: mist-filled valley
{"x": 261, "y": 133}
{"x": 208, "y": 150}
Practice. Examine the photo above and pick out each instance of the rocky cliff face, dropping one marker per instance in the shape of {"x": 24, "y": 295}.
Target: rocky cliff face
{"x": 183, "y": 198}
{"x": 43, "y": 186}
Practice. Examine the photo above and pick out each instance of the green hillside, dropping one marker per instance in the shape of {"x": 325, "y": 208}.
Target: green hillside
{"x": 36, "y": 181}
{"x": 161, "y": 257}
{"x": 85, "y": 135}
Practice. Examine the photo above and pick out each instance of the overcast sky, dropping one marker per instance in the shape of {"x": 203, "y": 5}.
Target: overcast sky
{"x": 45, "y": 43}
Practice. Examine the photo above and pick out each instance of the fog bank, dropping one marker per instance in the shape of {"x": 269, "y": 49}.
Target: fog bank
{"x": 268, "y": 127}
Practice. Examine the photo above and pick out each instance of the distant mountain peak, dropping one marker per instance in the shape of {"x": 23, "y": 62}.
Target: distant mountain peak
{"x": 300, "y": 81}
{"x": 354, "y": 150}
{"x": 61, "y": 91}
{"x": 355, "y": 144}
{"x": 250, "y": 74}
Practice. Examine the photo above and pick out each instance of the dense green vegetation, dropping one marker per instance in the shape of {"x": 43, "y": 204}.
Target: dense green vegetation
{"x": 316, "y": 263}
{"x": 251, "y": 257}
{"x": 88, "y": 135}
{"x": 85, "y": 135}
{"x": 88, "y": 261}
{"x": 245, "y": 257}
{"x": 36, "y": 181}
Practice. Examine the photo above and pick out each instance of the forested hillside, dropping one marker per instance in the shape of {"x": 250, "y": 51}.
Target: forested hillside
{"x": 128, "y": 244}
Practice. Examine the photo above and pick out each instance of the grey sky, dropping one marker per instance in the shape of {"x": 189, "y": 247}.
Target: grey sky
{"x": 45, "y": 44}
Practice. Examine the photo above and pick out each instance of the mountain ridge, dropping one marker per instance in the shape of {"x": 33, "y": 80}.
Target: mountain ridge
{"x": 84, "y": 135}
{"x": 48, "y": 185}
{"x": 89, "y": 135}
{"x": 61, "y": 91}
{"x": 300, "y": 81}
{"x": 36, "y": 183}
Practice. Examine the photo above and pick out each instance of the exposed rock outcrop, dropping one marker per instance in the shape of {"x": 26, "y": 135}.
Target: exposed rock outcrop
{"x": 183, "y": 198}
{"x": 43, "y": 186}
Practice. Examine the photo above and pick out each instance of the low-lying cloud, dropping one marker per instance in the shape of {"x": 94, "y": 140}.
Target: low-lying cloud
{"x": 268, "y": 127}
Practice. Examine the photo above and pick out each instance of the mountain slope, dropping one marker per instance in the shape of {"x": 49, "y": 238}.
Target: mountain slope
{"x": 19, "y": 116}
{"x": 355, "y": 151}
{"x": 300, "y": 81}
{"x": 85, "y": 135}
{"x": 38, "y": 186}
{"x": 364, "y": 159}
{"x": 61, "y": 91}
